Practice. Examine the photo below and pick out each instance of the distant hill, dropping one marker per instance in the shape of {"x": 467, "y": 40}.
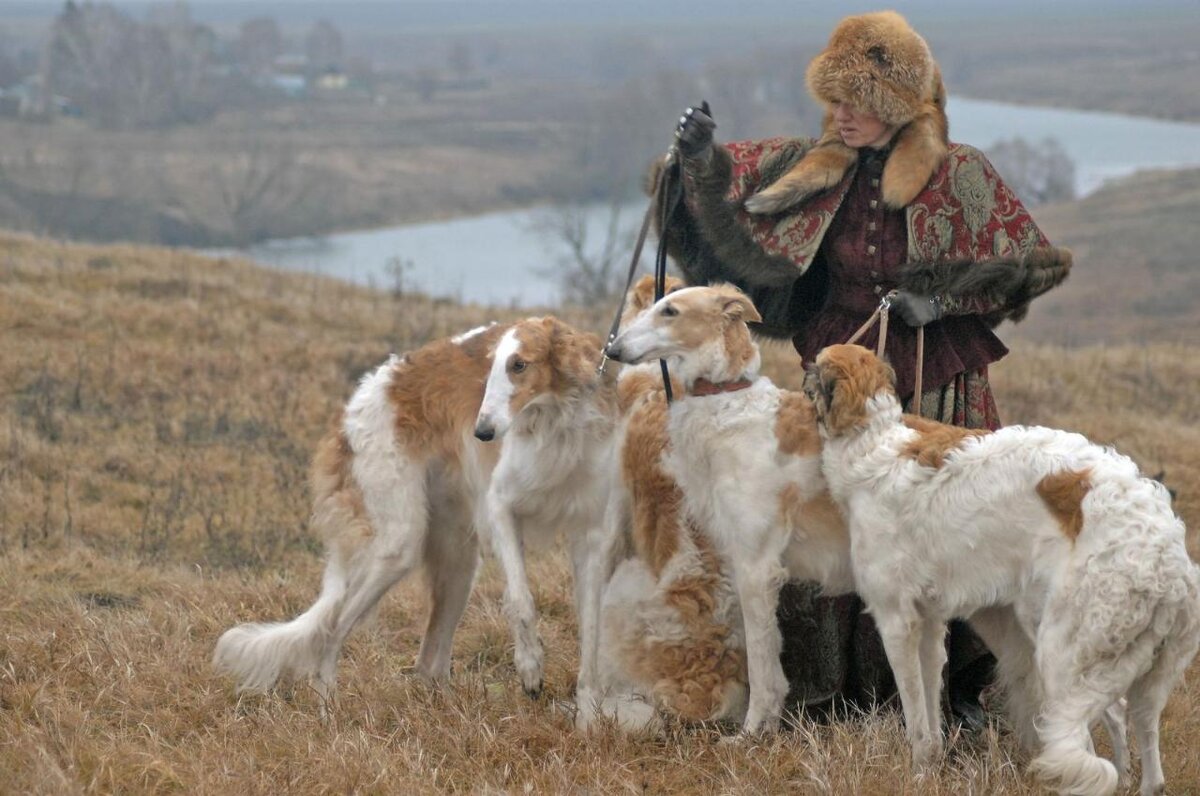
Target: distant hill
{"x": 1137, "y": 264}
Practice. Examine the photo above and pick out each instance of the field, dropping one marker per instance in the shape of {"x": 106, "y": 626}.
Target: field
{"x": 157, "y": 417}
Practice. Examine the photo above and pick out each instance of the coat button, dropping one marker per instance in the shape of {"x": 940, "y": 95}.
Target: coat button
{"x": 871, "y": 249}
{"x": 870, "y": 226}
{"x": 875, "y": 182}
{"x": 879, "y": 290}
{"x": 874, "y": 203}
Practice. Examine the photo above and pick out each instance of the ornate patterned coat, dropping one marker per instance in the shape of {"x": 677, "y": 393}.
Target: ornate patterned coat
{"x": 970, "y": 240}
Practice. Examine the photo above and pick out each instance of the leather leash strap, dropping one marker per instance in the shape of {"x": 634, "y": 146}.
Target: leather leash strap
{"x": 670, "y": 167}
{"x": 881, "y": 315}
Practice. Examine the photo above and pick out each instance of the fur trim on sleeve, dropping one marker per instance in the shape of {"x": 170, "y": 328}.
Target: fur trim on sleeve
{"x": 1006, "y": 284}
{"x": 711, "y": 244}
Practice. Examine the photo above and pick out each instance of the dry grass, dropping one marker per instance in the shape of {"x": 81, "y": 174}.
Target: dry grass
{"x": 158, "y": 413}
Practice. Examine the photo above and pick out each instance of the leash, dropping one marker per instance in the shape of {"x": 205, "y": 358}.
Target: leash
{"x": 881, "y": 315}
{"x": 670, "y": 167}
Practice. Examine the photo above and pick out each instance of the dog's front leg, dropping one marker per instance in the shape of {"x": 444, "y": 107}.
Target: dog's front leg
{"x": 518, "y": 599}
{"x": 933, "y": 660}
{"x": 758, "y": 584}
{"x": 594, "y": 564}
{"x": 901, "y": 631}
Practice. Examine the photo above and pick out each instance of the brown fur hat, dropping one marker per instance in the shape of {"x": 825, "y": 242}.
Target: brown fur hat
{"x": 879, "y": 64}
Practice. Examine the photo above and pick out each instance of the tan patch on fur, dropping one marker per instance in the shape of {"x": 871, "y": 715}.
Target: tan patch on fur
{"x": 339, "y": 515}
{"x": 641, "y": 296}
{"x": 935, "y": 440}
{"x": 558, "y": 359}
{"x": 638, "y": 384}
{"x": 796, "y": 425}
{"x": 691, "y": 677}
{"x": 920, "y": 149}
{"x": 850, "y": 375}
{"x": 822, "y": 167}
{"x": 656, "y": 501}
{"x": 1063, "y": 494}
{"x": 817, "y": 516}
{"x": 705, "y": 313}
{"x": 436, "y": 392}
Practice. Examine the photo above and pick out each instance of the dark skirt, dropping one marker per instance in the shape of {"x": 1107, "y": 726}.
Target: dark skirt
{"x": 832, "y": 653}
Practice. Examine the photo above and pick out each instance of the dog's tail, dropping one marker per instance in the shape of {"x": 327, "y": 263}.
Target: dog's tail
{"x": 1067, "y": 765}
{"x": 256, "y": 655}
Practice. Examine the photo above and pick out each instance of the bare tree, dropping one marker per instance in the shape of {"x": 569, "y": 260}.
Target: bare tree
{"x": 119, "y": 73}
{"x": 1036, "y": 173}
{"x": 591, "y": 249}
{"x": 266, "y": 191}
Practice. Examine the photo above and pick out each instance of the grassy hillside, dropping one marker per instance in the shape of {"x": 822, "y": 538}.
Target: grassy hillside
{"x": 157, "y": 415}
{"x": 1135, "y": 277}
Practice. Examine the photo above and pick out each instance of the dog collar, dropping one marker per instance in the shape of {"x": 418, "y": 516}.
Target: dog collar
{"x": 706, "y": 387}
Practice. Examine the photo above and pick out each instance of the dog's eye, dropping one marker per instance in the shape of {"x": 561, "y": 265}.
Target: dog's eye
{"x": 517, "y": 366}
{"x": 669, "y": 311}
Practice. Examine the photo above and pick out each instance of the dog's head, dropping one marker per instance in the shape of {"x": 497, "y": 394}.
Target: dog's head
{"x": 641, "y": 296}
{"x": 703, "y": 329}
{"x": 537, "y": 363}
{"x": 842, "y": 382}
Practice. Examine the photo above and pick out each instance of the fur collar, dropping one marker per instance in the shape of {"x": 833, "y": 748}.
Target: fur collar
{"x": 918, "y": 150}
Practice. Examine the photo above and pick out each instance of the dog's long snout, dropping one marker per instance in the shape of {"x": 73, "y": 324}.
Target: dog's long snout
{"x": 614, "y": 351}
{"x": 485, "y": 431}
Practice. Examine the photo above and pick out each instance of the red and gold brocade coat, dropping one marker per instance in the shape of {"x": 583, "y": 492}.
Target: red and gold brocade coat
{"x": 818, "y": 269}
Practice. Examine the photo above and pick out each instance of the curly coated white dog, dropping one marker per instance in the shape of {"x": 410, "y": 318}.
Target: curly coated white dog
{"x": 1070, "y": 564}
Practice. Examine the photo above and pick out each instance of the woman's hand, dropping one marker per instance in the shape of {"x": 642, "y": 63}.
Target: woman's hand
{"x": 916, "y": 309}
{"x": 694, "y": 133}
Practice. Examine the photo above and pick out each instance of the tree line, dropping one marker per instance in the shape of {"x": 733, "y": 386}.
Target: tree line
{"x": 118, "y": 73}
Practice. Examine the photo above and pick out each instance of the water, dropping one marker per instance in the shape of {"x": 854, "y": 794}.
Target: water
{"x": 500, "y": 258}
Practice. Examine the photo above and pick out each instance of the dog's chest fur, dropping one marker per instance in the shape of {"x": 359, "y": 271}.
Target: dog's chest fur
{"x": 745, "y": 489}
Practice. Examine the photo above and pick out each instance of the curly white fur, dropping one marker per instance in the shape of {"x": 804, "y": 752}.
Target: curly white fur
{"x": 1078, "y": 620}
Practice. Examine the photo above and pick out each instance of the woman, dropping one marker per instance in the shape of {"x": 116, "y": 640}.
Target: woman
{"x": 818, "y": 231}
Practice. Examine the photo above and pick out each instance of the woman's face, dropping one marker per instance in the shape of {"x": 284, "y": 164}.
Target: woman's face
{"x": 860, "y": 128}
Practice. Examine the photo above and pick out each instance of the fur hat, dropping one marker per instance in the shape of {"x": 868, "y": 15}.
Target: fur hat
{"x": 879, "y": 64}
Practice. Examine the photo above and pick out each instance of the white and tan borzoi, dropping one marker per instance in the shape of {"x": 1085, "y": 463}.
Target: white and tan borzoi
{"x": 746, "y": 457}
{"x": 671, "y": 629}
{"x": 1068, "y": 562}
{"x": 410, "y": 479}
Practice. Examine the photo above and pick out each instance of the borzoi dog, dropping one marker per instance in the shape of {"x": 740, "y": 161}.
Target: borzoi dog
{"x": 1070, "y": 564}
{"x": 746, "y": 457}
{"x": 410, "y": 479}
{"x": 671, "y": 629}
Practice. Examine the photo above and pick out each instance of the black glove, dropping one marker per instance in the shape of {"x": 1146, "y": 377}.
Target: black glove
{"x": 916, "y": 309}
{"x": 694, "y": 133}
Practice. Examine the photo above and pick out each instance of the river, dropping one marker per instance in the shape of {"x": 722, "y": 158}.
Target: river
{"x": 500, "y": 258}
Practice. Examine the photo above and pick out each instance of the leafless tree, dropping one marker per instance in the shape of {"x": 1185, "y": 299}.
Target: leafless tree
{"x": 591, "y": 250}
{"x": 1037, "y": 173}
{"x": 268, "y": 190}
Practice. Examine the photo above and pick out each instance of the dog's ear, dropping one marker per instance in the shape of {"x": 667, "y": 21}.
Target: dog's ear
{"x": 641, "y": 295}
{"x": 850, "y": 375}
{"x": 737, "y": 306}
{"x": 575, "y": 355}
